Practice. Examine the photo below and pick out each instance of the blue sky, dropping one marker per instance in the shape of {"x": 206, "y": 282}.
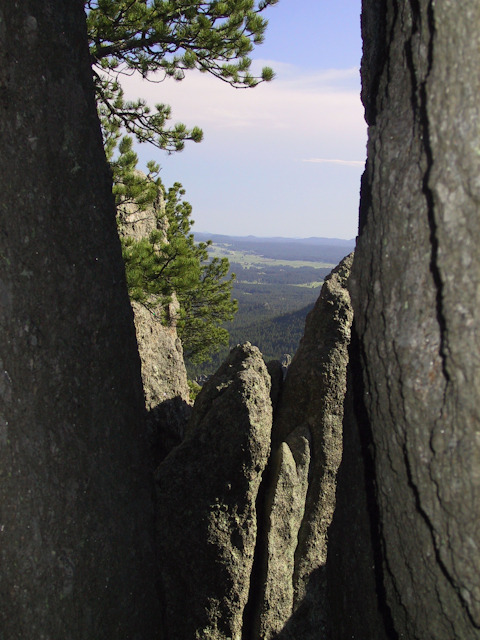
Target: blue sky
{"x": 285, "y": 158}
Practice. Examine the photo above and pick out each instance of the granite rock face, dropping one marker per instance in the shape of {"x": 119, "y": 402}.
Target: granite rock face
{"x": 207, "y": 490}
{"x": 307, "y": 445}
{"x": 355, "y": 593}
{"x": 416, "y": 295}
{"x": 163, "y": 368}
{"x": 76, "y": 508}
{"x": 164, "y": 376}
{"x": 285, "y": 508}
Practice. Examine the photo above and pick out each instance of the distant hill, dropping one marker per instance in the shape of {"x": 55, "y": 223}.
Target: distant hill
{"x": 327, "y": 250}
{"x": 278, "y": 281}
{"x": 276, "y": 239}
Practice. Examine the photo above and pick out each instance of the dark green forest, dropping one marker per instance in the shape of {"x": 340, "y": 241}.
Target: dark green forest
{"x": 274, "y": 294}
{"x": 274, "y": 336}
{"x": 278, "y": 274}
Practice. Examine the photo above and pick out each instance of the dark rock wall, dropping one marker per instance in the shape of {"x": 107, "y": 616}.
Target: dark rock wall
{"x": 415, "y": 291}
{"x": 355, "y": 592}
{"x": 76, "y": 515}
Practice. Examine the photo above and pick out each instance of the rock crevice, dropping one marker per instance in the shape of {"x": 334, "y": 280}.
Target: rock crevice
{"x": 258, "y": 502}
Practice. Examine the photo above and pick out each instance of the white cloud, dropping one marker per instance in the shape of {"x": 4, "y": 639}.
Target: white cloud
{"x": 296, "y": 103}
{"x": 346, "y": 163}
{"x": 256, "y": 141}
{"x": 321, "y": 78}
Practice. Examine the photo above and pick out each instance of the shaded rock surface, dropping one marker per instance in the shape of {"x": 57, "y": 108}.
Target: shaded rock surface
{"x": 355, "y": 593}
{"x": 285, "y": 507}
{"x": 76, "y": 509}
{"x": 275, "y": 371}
{"x": 416, "y": 295}
{"x": 207, "y": 489}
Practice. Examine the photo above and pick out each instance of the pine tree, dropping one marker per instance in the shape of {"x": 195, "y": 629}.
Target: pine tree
{"x": 159, "y": 39}
{"x": 167, "y": 38}
{"x": 206, "y": 307}
{"x": 169, "y": 261}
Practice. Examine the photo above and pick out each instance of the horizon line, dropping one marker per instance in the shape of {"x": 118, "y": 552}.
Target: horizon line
{"x": 251, "y": 235}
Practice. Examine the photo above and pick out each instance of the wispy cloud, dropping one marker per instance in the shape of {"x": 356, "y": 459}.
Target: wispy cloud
{"x": 346, "y": 163}
{"x": 325, "y": 103}
{"x": 257, "y": 141}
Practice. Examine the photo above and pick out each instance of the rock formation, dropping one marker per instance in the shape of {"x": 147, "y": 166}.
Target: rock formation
{"x": 355, "y": 592}
{"x": 207, "y": 489}
{"x": 164, "y": 379}
{"x": 416, "y": 299}
{"x": 164, "y": 375}
{"x": 138, "y": 223}
{"x": 285, "y": 505}
{"x": 241, "y": 534}
{"x": 307, "y": 436}
{"x": 163, "y": 368}
{"x": 255, "y": 539}
{"x": 76, "y": 509}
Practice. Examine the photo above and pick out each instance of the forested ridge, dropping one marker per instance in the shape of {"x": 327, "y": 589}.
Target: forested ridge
{"x": 274, "y": 294}
{"x": 274, "y": 336}
{"x": 315, "y": 249}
